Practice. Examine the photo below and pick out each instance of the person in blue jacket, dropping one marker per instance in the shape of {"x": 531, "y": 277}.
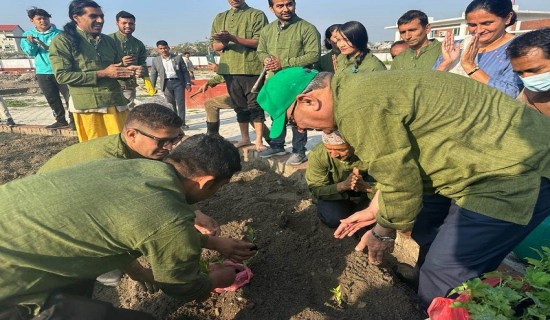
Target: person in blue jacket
{"x": 37, "y": 44}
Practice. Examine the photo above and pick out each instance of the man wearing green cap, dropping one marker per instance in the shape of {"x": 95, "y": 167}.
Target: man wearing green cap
{"x": 485, "y": 151}
{"x": 287, "y": 42}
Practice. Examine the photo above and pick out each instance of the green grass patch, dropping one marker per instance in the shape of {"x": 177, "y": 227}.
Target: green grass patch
{"x": 15, "y": 103}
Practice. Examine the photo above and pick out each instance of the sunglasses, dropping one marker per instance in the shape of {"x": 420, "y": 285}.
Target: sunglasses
{"x": 161, "y": 142}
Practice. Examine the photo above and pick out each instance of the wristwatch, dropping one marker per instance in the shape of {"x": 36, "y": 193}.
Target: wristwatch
{"x": 382, "y": 238}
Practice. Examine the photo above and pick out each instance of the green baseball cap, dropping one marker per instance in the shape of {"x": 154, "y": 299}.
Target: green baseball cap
{"x": 280, "y": 91}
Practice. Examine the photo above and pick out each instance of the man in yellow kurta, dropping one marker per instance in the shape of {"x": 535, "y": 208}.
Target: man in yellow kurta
{"x": 90, "y": 63}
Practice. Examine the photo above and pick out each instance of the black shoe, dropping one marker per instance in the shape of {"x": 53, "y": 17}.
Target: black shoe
{"x": 10, "y": 122}
{"x": 72, "y": 126}
{"x": 58, "y": 125}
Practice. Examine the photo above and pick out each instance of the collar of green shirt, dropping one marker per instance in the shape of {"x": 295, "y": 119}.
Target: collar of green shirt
{"x": 243, "y": 7}
{"x": 286, "y": 24}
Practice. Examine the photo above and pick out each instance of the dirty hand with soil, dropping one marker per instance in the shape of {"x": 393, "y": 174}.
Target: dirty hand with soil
{"x": 232, "y": 249}
{"x": 361, "y": 219}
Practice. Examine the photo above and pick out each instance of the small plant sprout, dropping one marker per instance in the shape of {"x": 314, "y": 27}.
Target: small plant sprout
{"x": 250, "y": 234}
{"x": 337, "y": 295}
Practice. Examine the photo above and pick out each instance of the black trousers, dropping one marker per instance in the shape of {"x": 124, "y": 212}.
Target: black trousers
{"x": 52, "y": 90}
{"x": 239, "y": 88}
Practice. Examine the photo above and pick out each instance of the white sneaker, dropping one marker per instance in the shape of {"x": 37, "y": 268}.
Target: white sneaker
{"x": 111, "y": 278}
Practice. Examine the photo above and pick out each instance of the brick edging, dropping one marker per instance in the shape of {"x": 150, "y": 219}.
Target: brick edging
{"x": 37, "y": 130}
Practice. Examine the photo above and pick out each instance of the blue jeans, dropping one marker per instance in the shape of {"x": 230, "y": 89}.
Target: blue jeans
{"x": 299, "y": 141}
{"x": 467, "y": 244}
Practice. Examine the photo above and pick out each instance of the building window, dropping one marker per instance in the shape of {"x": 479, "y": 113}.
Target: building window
{"x": 456, "y": 31}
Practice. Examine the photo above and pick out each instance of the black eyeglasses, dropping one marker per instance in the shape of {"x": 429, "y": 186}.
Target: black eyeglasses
{"x": 161, "y": 142}
{"x": 291, "y": 122}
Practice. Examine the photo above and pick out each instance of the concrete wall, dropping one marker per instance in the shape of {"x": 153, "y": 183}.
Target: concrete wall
{"x": 16, "y": 65}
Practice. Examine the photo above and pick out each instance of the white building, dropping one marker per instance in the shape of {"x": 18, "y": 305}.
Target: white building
{"x": 527, "y": 20}
{"x": 10, "y": 44}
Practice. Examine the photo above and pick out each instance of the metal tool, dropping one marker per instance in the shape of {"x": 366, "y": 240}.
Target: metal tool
{"x": 261, "y": 79}
{"x": 194, "y": 94}
{"x": 259, "y": 82}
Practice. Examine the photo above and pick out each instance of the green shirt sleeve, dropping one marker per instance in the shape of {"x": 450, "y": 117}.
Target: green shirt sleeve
{"x": 382, "y": 140}
{"x": 64, "y": 64}
{"x": 174, "y": 254}
{"x": 318, "y": 176}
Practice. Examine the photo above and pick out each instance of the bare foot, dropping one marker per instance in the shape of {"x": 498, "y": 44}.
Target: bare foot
{"x": 242, "y": 143}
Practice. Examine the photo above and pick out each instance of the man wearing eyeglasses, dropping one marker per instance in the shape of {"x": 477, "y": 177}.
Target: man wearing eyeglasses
{"x": 151, "y": 130}
{"x": 90, "y": 63}
{"x": 481, "y": 149}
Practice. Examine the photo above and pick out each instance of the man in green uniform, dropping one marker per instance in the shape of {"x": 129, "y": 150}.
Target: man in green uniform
{"x": 483, "y": 150}
{"x": 414, "y": 29}
{"x": 133, "y": 51}
{"x": 90, "y": 63}
{"x": 113, "y": 212}
{"x": 235, "y": 34}
{"x": 288, "y": 41}
{"x": 151, "y": 131}
{"x": 335, "y": 177}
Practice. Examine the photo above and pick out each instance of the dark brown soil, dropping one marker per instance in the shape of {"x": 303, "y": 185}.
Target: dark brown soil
{"x": 298, "y": 263}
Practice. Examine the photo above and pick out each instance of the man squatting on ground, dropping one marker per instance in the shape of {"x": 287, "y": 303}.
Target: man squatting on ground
{"x": 133, "y": 51}
{"x": 336, "y": 179}
{"x": 235, "y": 34}
{"x": 37, "y": 45}
{"x": 90, "y": 63}
{"x": 130, "y": 208}
{"x": 485, "y": 151}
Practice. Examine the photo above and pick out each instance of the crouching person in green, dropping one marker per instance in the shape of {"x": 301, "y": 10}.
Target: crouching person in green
{"x": 337, "y": 180}
{"x": 114, "y": 212}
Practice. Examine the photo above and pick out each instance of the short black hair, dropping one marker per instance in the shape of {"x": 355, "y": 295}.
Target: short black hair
{"x": 522, "y": 44}
{"x": 34, "y": 11}
{"x": 154, "y": 116}
{"x": 411, "y": 15}
{"x": 202, "y": 154}
{"x": 125, "y": 15}
{"x": 186, "y": 52}
{"x": 162, "y": 43}
{"x": 270, "y": 2}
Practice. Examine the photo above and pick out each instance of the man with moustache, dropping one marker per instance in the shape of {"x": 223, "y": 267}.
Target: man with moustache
{"x": 485, "y": 151}
{"x": 422, "y": 53}
{"x": 90, "y": 63}
{"x": 133, "y": 50}
{"x": 288, "y": 41}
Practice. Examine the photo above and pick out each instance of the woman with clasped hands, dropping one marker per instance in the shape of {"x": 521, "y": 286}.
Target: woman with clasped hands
{"x": 482, "y": 56}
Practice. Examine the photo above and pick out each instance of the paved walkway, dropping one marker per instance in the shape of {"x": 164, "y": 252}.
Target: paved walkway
{"x": 39, "y": 114}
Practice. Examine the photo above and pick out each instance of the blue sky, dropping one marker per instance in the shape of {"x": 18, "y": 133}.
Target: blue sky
{"x": 178, "y": 21}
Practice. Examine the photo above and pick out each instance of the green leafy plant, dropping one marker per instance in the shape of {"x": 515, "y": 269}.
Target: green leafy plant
{"x": 337, "y": 295}
{"x": 511, "y": 297}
